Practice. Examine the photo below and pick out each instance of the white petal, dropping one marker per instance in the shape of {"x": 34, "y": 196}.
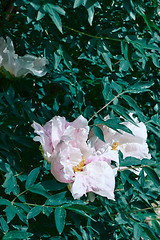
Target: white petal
{"x": 97, "y": 177}
{"x": 136, "y": 150}
{"x": 63, "y": 162}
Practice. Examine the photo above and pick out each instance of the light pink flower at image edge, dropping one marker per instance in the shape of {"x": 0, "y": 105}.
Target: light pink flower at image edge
{"x": 17, "y": 65}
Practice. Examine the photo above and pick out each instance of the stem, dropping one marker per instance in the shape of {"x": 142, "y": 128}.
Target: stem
{"x": 9, "y": 8}
{"x": 93, "y": 36}
{"x": 133, "y": 167}
{"x": 19, "y": 195}
{"x": 139, "y": 210}
{"x": 36, "y": 205}
{"x": 143, "y": 209}
{"x": 106, "y": 105}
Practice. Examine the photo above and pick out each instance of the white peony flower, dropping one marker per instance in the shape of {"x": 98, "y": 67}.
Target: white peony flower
{"x": 130, "y": 145}
{"x": 83, "y": 173}
{"x": 76, "y": 161}
{"x": 17, "y": 65}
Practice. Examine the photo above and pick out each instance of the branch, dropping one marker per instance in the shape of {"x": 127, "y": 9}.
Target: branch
{"x": 106, "y": 105}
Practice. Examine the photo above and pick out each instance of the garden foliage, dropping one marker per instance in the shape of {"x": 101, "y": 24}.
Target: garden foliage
{"x": 103, "y": 59}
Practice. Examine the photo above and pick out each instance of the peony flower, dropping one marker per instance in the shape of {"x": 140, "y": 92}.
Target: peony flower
{"x": 20, "y": 66}
{"x": 83, "y": 173}
{"x": 130, "y": 145}
{"x": 58, "y": 130}
{"x": 74, "y": 159}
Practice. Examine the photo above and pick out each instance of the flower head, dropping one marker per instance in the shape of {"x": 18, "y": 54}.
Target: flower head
{"x": 82, "y": 160}
{"x": 20, "y": 66}
{"x": 59, "y": 130}
{"x": 83, "y": 173}
{"x": 131, "y": 145}
{"x": 74, "y": 159}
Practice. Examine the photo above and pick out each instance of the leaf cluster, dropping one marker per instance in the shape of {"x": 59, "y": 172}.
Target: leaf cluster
{"x": 103, "y": 61}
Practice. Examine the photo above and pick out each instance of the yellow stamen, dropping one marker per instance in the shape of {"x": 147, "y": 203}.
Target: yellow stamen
{"x": 79, "y": 167}
{"x": 115, "y": 145}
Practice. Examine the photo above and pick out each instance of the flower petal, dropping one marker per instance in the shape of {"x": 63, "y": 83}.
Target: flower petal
{"x": 20, "y": 66}
{"x": 135, "y": 150}
{"x": 97, "y": 177}
{"x": 63, "y": 161}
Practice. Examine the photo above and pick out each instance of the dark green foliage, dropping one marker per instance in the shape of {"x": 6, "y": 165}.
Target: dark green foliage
{"x": 103, "y": 60}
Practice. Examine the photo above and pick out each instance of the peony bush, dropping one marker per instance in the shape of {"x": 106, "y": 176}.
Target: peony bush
{"x": 79, "y": 120}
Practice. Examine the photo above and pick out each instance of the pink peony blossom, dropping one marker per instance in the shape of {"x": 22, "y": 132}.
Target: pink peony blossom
{"x": 59, "y": 130}
{"x": 130, "y": 145}
{"x": 85, "y": 163}
{"x": 83, "y": 173}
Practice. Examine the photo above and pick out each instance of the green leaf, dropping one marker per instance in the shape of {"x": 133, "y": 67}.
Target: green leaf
{"x": 57, "y": 199}
{"x": 32, "y": 177}
{"x": 115, "y": 86}
{"x": 58, "y": 9}
{"x": 4, "y": 202}
{"x": 129, "y": 7}
{"x": 4, "y": 225}
{"x": 149, "y": 232}
{"x": 121, "y": 219}
{"x": 122, "y": 112}
{"x": 115, "y": 124}
{"x": 152, "y": 175}
{"x": 146, "y": 161}
{"x": 156, "y": 119}
{"x": 107, "y": 60}
{"x": 81, "y": 212}
{"x": 124, "y": 65}
{"x": 80, "y": 206}
{"x": 155, "y": 60}
{"x": 99, "y": 133}
{"x": 60, "y": 216}
{"x": 50, "y": 9}
{"x": 145, "y": 19}
{"x": 153, "y": 129}
{"x": 57, "y": 59}
{"x": 39, "y": 189}
{"x": 77, "y": 3}
{"x": 52, "y": 185}
{"x": 47, "y": 210}
{"x": 10, "y": 184}
{"x": 35, "y": 5}
{"x": 140, "y": 87}
{"x": 137, "y": 230}
{"x": 130, "y": 161}
{"x": 34, "y": 212}
{"x": 90, "y": 14}
{"x": 23, "y": 206}
{"x": 10, "y": 212}
{"x": 131, "y": 102}
{"x": 40, "y": 15}
{"x": 21, "y": 214}
{"x": 14, "y": 235}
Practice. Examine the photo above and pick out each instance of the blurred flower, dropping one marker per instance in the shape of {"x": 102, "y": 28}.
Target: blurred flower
{"x": 20, "y": 66}
{"x": 83, "y": 173}
{"x": 58, "y": 130}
